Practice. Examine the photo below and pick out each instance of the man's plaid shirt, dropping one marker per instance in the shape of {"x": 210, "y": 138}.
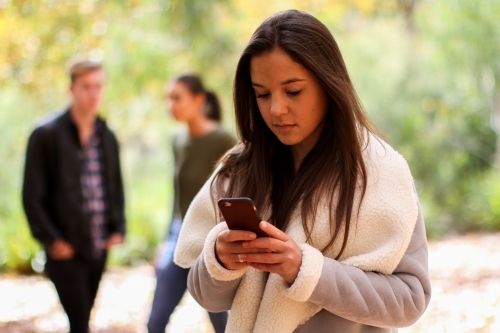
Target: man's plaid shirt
{"x": 94, "y": 191}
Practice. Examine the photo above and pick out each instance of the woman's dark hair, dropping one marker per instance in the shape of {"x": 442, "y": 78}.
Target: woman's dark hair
{"x": 263, "y": 168}
{"x": 194, "y": 84}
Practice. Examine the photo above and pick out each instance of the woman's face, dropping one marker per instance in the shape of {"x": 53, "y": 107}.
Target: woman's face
{"x": 183, "y": 104}
{"x": 290, "y": 99}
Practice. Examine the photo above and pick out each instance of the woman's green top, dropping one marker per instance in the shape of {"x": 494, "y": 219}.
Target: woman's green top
{"x": 195, "y": 159}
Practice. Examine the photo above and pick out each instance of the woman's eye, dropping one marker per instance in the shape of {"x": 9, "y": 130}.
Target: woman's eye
{"x": 294, "y": 93}
{"x": 263, "y": 95}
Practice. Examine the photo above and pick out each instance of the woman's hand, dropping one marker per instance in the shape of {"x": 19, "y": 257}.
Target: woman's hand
{"x": 229, "y": 251}
{"x": 277, "y": 253}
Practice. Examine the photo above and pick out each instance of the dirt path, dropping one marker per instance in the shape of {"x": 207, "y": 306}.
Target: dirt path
{"x": 465, "y": 274}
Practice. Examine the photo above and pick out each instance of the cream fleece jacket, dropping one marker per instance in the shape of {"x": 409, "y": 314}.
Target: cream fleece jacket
{"x": 352, "y": 300}
{"x": 264, "y": 302}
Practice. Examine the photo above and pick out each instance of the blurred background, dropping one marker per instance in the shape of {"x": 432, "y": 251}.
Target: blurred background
{"x": 427, "y": 71}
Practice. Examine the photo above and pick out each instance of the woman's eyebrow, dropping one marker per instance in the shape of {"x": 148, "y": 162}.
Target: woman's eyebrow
{"x": 292, "y": 80}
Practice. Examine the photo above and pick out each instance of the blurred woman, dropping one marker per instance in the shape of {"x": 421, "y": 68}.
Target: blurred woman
{"x": 346, "y": 249}
{"x": 196, "y": 151}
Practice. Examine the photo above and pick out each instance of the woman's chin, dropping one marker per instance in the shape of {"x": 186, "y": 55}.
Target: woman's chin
{"x": 287, "y": 140}
{"x": 178, "y": 118}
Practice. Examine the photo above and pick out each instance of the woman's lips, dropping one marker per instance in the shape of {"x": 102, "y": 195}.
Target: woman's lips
{"x": 284, "y": 127}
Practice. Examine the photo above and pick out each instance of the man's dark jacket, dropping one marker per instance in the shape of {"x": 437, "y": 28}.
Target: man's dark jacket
{"x": 52, "y": 193}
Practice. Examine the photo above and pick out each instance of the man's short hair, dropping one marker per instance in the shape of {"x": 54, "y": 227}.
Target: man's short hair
{"x": 79, "y": 66}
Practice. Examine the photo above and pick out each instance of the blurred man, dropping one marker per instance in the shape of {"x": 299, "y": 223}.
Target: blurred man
{"x": 73, "y": 194}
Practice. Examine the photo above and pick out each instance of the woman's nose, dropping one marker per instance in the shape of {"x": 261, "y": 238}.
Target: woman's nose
{"x": 278, "y": 107}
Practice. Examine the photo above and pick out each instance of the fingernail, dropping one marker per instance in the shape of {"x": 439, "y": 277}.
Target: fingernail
{"x": 243, "y": 256}
{"x": 244, "y": 244}
{"x": 263, "y": 224}
{"x": 252, "y": 236}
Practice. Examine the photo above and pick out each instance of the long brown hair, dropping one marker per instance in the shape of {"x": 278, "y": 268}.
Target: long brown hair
{"x": 263, "y": 168}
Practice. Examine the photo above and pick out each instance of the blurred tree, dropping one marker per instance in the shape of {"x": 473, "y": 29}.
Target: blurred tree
{"x": 448, "y": 96}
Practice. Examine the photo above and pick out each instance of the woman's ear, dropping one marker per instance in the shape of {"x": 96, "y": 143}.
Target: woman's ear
{"x": 200, "y": 100}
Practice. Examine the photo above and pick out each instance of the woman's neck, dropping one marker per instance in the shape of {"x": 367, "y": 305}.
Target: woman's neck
{"x": 299, "y": 152}
{"x": 201, "y": 126}
{"x": 301, "y": 149}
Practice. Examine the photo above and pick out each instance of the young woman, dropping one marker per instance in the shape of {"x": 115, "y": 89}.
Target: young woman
{"x": 347, "y": 250}
{"x": 196, "y": 152}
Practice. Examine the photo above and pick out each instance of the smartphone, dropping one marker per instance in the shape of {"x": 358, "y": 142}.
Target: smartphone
{"x": 241, "y": 214}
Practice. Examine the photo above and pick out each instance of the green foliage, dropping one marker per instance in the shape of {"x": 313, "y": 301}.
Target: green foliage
{"x": 452, "y": 113}
{"x": 429, "y": 83}
{"x": 427, "y": 71}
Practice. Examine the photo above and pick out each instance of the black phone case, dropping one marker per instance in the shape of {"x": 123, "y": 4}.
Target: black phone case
{"x": 241, "y": 214}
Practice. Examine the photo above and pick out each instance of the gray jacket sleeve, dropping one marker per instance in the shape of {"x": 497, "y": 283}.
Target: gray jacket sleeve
{"x": 367, "y": 298}
{"x": 211, "y": 294}
{"x": 370, "y": 298}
